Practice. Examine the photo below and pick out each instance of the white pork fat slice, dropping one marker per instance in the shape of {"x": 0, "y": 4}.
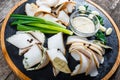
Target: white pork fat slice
{"x": 38, "y": 35}
{"x": 32, "y": 57}
{"x": 64, "y": 18}
{"x": 22, "y": 40}
{"x": 53, "y": 53}
{"x": 31, "y": 9}
{"x": 56, "y": 42}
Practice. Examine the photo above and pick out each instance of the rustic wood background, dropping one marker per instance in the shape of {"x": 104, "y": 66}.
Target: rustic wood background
{"x": 111, "y": 6}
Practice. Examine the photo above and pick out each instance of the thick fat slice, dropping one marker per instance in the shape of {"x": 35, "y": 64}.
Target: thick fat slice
{"x": 31, "y": 9}
{"x": 56, "y": 42}
{"x": 32, "y": 57}
{"x": 64, "y": 18}
{"x": 22, "y": 40}
{"x": 70, "y": 6}
{"x": 38, "y": 35}
{"x": 45, "y": 8}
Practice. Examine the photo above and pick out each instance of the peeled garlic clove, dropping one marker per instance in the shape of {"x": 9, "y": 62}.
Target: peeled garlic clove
{"x": 108, "y": 31}
{"x": 95, "y": 12}
{"x": 102, "y": 28}
{"x": 91, "y": 16}
{"x": 82, "y": 8}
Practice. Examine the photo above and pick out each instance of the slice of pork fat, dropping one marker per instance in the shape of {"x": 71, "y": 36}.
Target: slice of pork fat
{"x": 61, "y": 2}
{"x": 56, "y": 42}
{"x": 72, "y": 39}
{"x": 83, "y": 66}
{"x": 62, "y": 16}
{"x": 50, "y": 17}
{"x": 38, "y": 35}
{"x": 58, "y": 60}
{"x": 32, "y": 57}
{"x": 35, "y": 56}
{"x": 50, "y": 3}
{"x": 22, "y": 40}
{"x": 31, "y": 9}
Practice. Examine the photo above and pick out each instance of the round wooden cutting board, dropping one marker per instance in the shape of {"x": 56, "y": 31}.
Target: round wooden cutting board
{"x": 15, "y": 62}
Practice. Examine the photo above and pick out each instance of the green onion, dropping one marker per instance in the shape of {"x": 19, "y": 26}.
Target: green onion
{"x": 41, "y": 20}
{"x": 44, "y": 26}
{"x": 29, "y": 28}
{"x": 101, "y": 36}
{"x": 25, "y": 23}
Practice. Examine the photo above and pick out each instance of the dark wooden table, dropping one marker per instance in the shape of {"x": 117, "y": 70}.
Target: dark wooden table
{"x": 111, "y": 6}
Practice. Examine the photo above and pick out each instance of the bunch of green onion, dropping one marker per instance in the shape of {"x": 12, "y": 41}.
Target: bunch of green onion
{"x": 29, "y": 23}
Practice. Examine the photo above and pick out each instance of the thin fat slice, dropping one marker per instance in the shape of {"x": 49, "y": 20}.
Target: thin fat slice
{"x": 22, "y": 40}
{"x": 72, "y": 39}
{"x": 92, "y": 68}
{"x": 38, "y": 35}
{"x": 75, "y": 71}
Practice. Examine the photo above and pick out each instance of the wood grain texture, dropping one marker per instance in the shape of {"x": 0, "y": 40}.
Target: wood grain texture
{"x": 111, "y": 6}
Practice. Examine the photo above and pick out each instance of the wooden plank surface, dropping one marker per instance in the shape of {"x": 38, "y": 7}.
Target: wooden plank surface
{"x": 111, "y": 6}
